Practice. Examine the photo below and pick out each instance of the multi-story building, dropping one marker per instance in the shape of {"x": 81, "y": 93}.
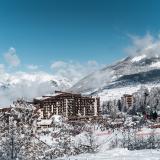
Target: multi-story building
{"x": 127, "y": 101}
{"x": 70, "y": 105}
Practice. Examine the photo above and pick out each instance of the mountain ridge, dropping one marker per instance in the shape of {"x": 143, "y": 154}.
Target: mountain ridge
{"x": 131, "y": 72}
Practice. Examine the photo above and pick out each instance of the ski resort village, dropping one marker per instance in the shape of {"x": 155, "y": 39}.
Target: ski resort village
{"x": 66, "y": 125}
{"x": 79, "y": 79}
{"x": 112, "y": 113}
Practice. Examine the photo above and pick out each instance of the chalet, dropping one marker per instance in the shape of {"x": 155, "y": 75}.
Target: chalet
{"x": 69, "y": 105}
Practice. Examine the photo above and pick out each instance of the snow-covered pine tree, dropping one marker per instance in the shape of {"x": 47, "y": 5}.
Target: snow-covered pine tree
{"x": 17, "y": 141}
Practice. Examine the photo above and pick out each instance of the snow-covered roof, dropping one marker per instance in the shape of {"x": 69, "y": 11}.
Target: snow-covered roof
{"x": 50, "y": 95}
{"x": 45, "y": 122}
{"x": 47, "y": 96}
{"x": 114, "y": 123}
{"x": 41, "y": 98}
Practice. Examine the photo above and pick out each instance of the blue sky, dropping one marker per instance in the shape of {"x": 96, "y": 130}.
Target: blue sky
{"x": 45, "y": 31}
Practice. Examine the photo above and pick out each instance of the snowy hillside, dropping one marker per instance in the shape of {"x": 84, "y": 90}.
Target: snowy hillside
{"x": 125, "y": 76}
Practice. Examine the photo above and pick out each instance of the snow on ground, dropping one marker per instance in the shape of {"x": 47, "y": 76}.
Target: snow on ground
{"x": 57, "y": 119}
{"x": 117, "y": 93}
{"x": 45, "y": 122}
{"x": 157, "y": 64}
{"x": 138, "y": 58}
{"x": 104, "y": 139}
{"x": 47, "y": 139}
{"x": 148, "y": 131}
{"x": 119, "y": 154}
{"x": 104, "y": 153}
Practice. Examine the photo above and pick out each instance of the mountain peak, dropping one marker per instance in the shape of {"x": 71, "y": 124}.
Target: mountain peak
{"x": 131, "y": 72}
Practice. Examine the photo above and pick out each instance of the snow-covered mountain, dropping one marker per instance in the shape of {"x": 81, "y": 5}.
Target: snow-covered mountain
{"x": 29, "y": 85}
{"x": 125, "y": 76}
{"x": 28, "y": 78}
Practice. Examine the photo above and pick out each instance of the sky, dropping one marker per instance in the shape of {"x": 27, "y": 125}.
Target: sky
{"x": 47, "y": 34}
{"x": 65, "y": 40}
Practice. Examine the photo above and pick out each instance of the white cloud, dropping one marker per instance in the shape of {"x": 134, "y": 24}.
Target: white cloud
{"x": 12, "y": 58}
{"x": 146, "y": 45}
{"x": 32, "y": 67}
{"x": 31, "y": 84}
{"x": 18, "y": 84}
{"x": 58, "y": 64}
{"x": 74, "y": 70}
{"x": 28, "y": 85}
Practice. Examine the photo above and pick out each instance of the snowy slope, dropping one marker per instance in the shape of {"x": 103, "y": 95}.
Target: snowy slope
{"x": 125, "y": 76}
{"x": 138, "y": 58}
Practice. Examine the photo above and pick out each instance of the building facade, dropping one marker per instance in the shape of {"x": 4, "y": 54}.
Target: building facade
{"x": 127, "y": 100}
{"x": 69, "y": 105}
